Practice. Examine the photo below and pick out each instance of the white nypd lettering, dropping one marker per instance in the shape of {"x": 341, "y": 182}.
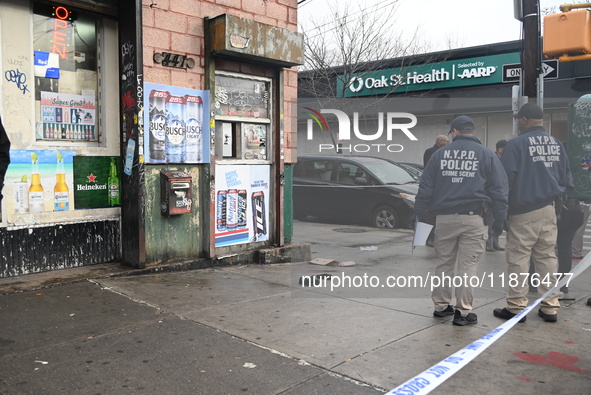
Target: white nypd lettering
{"x": 544, "y": 149}
{"x": 458, "y": 164}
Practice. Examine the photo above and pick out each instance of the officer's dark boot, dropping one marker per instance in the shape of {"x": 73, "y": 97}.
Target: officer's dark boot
{"x": 497, "y": 247}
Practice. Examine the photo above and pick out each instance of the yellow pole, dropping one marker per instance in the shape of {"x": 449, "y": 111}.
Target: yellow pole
{"x": 570, "y": 7}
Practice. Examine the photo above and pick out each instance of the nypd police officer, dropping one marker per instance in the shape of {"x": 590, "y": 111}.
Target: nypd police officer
{"x": 538, "y": 172}
{"x": 459, "y": 182}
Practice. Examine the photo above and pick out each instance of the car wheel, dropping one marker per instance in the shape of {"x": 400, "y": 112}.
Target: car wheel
{"x": 385, "y": 217}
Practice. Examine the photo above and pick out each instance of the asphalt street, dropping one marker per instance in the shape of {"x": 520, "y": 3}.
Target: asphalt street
{"x": 261, "y": 329}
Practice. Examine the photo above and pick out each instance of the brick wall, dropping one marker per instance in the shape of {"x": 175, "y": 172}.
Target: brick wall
{"x": 178, "y": 26}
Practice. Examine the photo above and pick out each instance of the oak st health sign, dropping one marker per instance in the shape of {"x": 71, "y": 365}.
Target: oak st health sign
{"x": 482, "y": 70}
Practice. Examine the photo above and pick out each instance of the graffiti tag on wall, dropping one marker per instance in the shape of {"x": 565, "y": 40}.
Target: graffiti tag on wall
{"x": 19, "y": 78}
{"x": 128, "y": 94}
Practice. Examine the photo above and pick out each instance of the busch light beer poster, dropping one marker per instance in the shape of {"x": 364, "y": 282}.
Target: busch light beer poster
{"x": 176, "y": 124}
{"x": 242, "y": 204}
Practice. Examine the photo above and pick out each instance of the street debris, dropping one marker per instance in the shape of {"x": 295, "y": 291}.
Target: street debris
{"x": 331, "y": 262}
{"x": 322, "y": 261}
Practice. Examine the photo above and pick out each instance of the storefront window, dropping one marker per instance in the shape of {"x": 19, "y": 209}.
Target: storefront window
{"x": 66, "y": 74}
{"x": 243, "y": 108}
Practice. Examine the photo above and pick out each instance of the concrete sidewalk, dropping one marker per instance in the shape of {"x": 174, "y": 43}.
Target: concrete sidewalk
{"x": 255, "y": 329}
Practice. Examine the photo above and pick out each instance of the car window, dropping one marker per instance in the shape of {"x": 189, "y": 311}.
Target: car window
{"x": 305, "y": 169}
{"x": 314, "y": 169}
{"x": 414, "y": 172}
{"x": 348, "y": 172}
{"x": 388, "y": 173}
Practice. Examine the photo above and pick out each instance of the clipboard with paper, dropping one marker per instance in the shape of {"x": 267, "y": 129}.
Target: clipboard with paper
{"x": 421, "y": 233}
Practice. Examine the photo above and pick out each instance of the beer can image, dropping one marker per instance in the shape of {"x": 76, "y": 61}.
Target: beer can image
{"x": 232, "y": 209}
{"x": 158, "y": 122}
{"x": 258, "y": 214}
{"x": 175, "y": 129}
{"x": 193, "y": 126}
{"x": 221, "y": 210}
{"x": 242, "y": 199}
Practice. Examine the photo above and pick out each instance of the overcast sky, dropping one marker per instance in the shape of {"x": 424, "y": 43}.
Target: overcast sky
{"x": 464, "y": 22}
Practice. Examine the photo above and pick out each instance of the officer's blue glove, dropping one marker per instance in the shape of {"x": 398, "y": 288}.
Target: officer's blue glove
{"x": 497, "y": 227}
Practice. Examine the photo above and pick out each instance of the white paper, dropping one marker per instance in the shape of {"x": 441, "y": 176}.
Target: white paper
{"x": 422, "y": 231}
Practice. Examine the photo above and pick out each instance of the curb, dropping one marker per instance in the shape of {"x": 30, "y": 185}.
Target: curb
{"x": 298, "y": 252}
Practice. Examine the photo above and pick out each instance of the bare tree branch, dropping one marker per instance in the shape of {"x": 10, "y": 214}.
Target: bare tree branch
{"x": 354, "y": 43}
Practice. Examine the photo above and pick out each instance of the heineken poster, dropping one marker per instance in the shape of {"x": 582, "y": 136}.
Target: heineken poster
{"x": 38, "y": 181}
{"x": 176, "y": 125}
{"x": 242, "y": 199}
{"x": 96, "y": 181}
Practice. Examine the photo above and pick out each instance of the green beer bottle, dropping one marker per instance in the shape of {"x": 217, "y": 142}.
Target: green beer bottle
{"x": 114, "y": 186}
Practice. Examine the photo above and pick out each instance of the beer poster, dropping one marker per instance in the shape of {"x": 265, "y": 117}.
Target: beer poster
{"x": 38, "y": 181}
{"x": 242, "y": 204}
{"x": 176, "y": 124}
{"x": 67, "y": 117}
{"x": 97, "y": 181}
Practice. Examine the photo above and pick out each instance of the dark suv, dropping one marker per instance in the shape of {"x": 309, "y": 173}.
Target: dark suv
{"x": 359, "y": 189}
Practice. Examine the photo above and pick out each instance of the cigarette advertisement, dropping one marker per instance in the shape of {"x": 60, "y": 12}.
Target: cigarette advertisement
{"x": 176, "y": 124}
{"x": 242, "y": 204}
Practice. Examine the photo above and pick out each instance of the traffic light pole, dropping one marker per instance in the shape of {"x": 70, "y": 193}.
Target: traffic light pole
{"x": 531, "y": 50}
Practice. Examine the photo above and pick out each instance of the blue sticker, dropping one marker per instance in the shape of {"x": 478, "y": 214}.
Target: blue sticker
{"x": 129, "y": 157}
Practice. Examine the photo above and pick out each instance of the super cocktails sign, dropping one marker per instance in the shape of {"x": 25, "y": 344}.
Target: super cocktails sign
{"x": 449, "y": 74}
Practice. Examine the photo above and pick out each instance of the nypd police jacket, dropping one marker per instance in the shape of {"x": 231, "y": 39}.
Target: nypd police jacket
{"x": 460, "y": 177}
{"x": 537, "y": 169}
